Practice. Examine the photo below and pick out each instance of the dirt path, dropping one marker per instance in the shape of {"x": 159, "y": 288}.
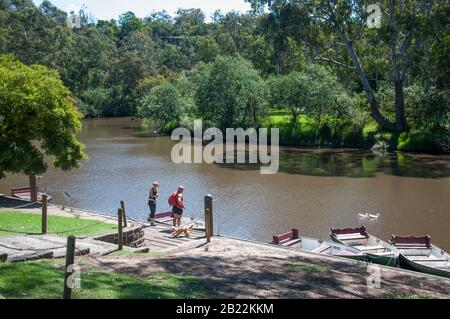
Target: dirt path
{"x": 238, "y": 269}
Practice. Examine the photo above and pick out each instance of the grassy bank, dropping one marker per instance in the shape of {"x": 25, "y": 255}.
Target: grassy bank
{"x": 333, "y": 132}
{"x": 44, "y": 280}
{"x": 340, "y": 132}
{"x": 16, "y": 223}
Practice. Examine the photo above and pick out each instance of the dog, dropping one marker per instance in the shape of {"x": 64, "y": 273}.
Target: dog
{"x": 177, "y": 231}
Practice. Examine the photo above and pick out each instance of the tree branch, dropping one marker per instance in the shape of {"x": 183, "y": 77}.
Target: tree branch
{"x": 334, "y": 62}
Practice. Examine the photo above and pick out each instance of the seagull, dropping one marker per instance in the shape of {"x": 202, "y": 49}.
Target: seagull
{"x": 366, "y": 215}
{"x": 67, "y": 194}
{"x": 374, "y": 216}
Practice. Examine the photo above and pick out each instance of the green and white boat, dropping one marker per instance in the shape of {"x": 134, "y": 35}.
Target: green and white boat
{"x": 419, "y": 254}
{"x": 377, "y": 251}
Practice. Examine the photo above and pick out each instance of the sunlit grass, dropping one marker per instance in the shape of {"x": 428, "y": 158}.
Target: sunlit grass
{"x": 44, "y": 280}
{"x": 16, "y": 223}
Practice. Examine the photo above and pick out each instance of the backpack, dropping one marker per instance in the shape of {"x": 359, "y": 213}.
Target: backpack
{"x": 173, "y": 199}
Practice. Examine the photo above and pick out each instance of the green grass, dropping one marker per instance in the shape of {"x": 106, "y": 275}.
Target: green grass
{"x": 307, "y": 267}
{"x": 44, "y": 280}
{"x": 16, "y": 223}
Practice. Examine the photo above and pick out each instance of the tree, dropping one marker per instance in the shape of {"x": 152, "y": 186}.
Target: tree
{"x": 313, "y": 92}
{"x": 405, "y": 27}
{"x": 206, "y": 49}
{"x": 231, "y": 94}
{"x": 37, "y": 118}
{"x": 129, "y": 23}
{"x": 164, "y": 103}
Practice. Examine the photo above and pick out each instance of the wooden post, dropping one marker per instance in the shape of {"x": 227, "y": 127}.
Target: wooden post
{"x": 44, "y": 214}
{"x": 120, "y": 230}
{"x": 33, "y": 188}
{"x": 122, "y": 205}
{"x": 208, "y": 218}
{"x": 70, "y": 259}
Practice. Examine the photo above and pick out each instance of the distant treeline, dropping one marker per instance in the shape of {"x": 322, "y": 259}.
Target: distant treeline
{"x": 333, "y": 80}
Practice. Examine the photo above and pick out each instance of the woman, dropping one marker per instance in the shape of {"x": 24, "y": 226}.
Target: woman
{"x": 153, "y": 195}
{"x": 177, "y": 203}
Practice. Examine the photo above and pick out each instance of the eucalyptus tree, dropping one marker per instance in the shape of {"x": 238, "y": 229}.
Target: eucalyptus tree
{"x": 400, "y": 29}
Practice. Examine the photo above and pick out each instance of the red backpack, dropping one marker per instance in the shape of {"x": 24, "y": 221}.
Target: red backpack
{"x": 173, "y": 199}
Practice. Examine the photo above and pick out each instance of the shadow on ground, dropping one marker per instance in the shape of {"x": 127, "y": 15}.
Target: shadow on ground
{"x": 291, "y": 277}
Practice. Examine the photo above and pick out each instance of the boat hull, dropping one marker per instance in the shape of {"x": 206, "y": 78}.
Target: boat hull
{"x": 406, "y": 263}
{"x": 382, "y": 260}
{"x": 372, "y": 258}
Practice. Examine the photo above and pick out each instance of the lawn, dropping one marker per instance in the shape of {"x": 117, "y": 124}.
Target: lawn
{"x": 44, "y": 280}
{"x": 16, "y": 223}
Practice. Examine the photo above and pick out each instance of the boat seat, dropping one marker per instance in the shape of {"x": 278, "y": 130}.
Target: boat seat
{"x": 424, "y": 258}
{"x": 321, "y": 249}
{"x": 291, "y": 242}
{"x": 411, "y": 246}
{"x": 386, "y": 253}
{"x": 350, "y": 236}
{"x": 367, "y": 248}
{"x": 440, "y": 264}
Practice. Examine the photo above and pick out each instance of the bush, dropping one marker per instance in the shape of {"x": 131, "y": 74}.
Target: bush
{"x": 163, "y": 104}
{"x": 418, "y": 141}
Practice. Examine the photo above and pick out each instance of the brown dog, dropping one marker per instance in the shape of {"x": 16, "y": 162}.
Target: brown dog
{"x": 177, "y": 231}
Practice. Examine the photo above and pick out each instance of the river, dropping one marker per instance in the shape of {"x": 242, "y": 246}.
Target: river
{"x": 314, "y": 189}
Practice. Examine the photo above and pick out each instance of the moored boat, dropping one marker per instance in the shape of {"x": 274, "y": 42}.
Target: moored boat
{"x": 314, "y": 245}
{"x": 377, "y": 251}
{"x": 418, "y": 253}
{"x": 25, "y": 194}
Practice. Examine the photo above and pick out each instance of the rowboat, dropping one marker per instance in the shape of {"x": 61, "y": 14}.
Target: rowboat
{"x": 377, "y": 251}
{"x": 25, "y": 194}
{"x": 165, "y": 218}
{"x": 313, "y": 245}
{"x": 418, "y": 253}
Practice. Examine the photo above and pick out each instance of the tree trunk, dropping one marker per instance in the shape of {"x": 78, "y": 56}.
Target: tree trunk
{"x": 400, "y": 118}
{"x": 33, "y": 188}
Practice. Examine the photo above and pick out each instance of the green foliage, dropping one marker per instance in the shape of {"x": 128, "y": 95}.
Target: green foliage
{"x": 231, "y": 94}
{"x": 418, "y": 141}
{"x": 37, "y": 118}
{"x": 111, "y": 66}
{"x": 314, "y": 92}
{"x": 164, "y": 103}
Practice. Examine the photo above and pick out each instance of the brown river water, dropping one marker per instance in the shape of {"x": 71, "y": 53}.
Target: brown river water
{"x": 314, "y": 189}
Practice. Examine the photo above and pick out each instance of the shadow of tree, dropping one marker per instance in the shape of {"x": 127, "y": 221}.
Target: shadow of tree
{"x": 8, "y": 202}
{"x": 268, "y": 277}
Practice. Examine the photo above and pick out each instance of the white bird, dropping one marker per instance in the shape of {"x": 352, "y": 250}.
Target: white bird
{"x": 374, "y": 216}
{"x": 366, "y": 215}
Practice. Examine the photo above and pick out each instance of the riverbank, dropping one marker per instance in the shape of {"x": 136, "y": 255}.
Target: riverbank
{"x": 225, "y": 268}
{"x": 344, "y": 133}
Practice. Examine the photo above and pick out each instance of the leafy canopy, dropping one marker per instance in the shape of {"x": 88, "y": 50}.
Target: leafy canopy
{"x": 37, "y": 118}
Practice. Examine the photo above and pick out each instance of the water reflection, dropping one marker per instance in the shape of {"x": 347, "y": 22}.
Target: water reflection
{"x": 356, "y": 164}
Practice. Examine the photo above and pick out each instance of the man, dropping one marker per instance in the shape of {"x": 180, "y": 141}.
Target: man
{"x": 153, "y": 195}
{"x": 178, "y": 206}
